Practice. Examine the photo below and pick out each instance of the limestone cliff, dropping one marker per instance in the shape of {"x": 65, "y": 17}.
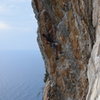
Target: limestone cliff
{"x": 66, "y": 37}
{"x": 94, "y": 61}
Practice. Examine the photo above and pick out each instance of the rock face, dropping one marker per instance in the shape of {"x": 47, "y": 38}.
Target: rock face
{"x": 94, "y": 61}
{"x": 66, "y": 37}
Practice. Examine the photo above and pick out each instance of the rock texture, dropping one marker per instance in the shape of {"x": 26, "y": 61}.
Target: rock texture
{"x": 94, "y": 61}
{"x": 66, "y": 37}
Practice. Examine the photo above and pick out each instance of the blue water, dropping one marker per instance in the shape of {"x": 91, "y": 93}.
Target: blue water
{"x": 21, "y": 75}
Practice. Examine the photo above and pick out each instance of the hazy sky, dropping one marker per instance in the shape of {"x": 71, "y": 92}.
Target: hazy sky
{"x": 17, "y": 25}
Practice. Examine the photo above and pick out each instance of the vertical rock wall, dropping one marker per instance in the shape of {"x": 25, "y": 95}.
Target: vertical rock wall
{"x": 94, "y": 61}
{"x": 66, "y": 37}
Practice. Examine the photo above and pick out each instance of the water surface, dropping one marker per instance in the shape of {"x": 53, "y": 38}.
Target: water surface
{"x": 21, "y": 75}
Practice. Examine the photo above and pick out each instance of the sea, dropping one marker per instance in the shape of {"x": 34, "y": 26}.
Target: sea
{"x": 21, "y": 75}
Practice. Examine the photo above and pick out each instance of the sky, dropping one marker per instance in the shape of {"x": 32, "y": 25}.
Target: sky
{"x": 18, "y": 25}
